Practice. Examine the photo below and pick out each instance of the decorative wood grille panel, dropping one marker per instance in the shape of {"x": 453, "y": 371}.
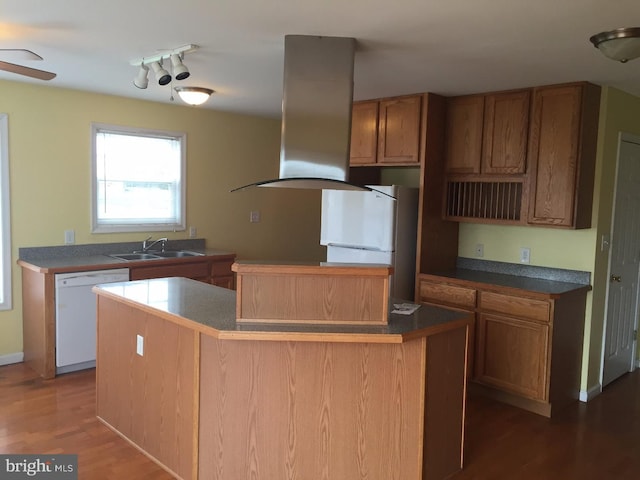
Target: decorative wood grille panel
{"x": 484, "y": 200}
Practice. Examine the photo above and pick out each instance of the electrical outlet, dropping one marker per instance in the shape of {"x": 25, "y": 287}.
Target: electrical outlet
{"x": 69, "y": 237}
{"x": 479, "y": 250}
{"x": 254, "y": 216}
{"x": 525, "y": 254}
{"x": 193, "y": 231}
{"x": 140, "y": 345}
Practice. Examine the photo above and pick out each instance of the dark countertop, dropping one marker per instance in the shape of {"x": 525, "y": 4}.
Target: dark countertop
{"x": 212, "y": 310}
{"x": 104, "y": 261}
{"x": 485, "y": 280}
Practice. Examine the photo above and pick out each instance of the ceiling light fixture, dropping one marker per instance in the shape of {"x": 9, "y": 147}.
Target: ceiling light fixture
{"x": 180, "y": 72}
{"x": 142, "y": 79}
{"x": 161, "y": 74}
{"x": 622, "y": 44}
{"x": 194, "y": 95}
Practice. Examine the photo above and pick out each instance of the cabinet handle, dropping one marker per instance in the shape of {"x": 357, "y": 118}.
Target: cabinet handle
{"x": 616, "y": 278}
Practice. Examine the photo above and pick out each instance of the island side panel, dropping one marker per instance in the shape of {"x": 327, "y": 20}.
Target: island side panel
{"x": 38, "y": 320}
{"x": 299, "y": 410}
{"x": 445, "y": 400}
{"x": 148, "y": 399}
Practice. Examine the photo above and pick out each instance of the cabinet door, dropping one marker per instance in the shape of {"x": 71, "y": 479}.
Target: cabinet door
{"x": 512, "y": 355}
{"x": 399, "y": 130}
{"x": 222, "y": 275}
{"x": 364, "y": 133}
{"x": 464, "y": 122}
{"x": 556, "y": 157}
{"x": 506, "y": 130}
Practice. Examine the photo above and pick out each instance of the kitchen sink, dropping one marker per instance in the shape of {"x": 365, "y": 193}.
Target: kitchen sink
{"x": 155, "y": 255}
{"x": 177, "y": 254}
{"x": 135, "y": 256}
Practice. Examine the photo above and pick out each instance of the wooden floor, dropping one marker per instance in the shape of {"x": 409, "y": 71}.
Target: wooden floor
{"x": 599, "y": 440}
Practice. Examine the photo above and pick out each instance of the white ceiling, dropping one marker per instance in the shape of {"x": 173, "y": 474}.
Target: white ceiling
{"x": 450, "y": 47}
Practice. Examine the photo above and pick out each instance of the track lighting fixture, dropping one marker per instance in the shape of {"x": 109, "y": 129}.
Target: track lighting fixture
{"x": 180, "y": 72}
{"x": 142, "y": 79}
{"x": 161, "y": 74}
{"x": 190, "y": 95}
{"x": 194, "y": 95}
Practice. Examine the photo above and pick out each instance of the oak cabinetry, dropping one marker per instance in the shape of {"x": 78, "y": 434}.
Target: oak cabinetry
{"x": 523, "y": 157}
{"x": 527, "y": 348}
{"x": 564, "y": 126}
{"x": 464, "y": 119}
{"x": 506, "y": 125}
{"x": 513, "y": 344}
{"x": 386, "y": 132}
{"x": 487, "y": 134}
{"x": 364, "y": 133}
{"x": 211, "y": 270}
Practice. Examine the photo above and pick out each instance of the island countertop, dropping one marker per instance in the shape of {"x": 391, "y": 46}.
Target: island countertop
{"x": 212, "y": 311}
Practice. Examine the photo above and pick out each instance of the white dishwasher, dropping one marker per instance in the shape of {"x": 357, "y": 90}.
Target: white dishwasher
{"x": 76, "y": 316}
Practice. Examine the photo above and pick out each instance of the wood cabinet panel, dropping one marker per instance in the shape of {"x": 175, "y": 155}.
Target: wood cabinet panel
{"x": 399, "y": 130}
{"x": 562, "y": 154}
{"x": 196, "y": 271}
{"x": 442, "y": 294}
{"x": 148, "y": 399}
{"x": 505, "y": 134}
{"x": 364, "y": 133}
{"x": 512, "y": 354}
{"x": 463, "y": 134}
{"x": 517, "y": 306}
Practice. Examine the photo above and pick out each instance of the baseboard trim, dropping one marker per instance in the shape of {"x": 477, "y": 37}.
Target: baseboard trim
{"x": 11, "y": 358}
{"x": 590, "y": 394}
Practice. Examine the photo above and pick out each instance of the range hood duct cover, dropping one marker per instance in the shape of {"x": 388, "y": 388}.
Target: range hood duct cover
{"x": 316, "y": 114}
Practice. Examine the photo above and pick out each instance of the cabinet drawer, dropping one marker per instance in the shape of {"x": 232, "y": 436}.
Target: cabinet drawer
{"x": 517, "y": 306}
{"x": 188, "y": 270}
{"x": 221, "y": 268}
{"x": 447, "y": 294}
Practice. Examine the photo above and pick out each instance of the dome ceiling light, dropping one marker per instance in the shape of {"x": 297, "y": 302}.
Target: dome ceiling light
{"x": 622, "y": 44}
{"x": 194, "y": 95}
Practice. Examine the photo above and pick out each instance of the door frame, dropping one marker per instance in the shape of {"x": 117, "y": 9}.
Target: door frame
{"x": 622, "y": 137}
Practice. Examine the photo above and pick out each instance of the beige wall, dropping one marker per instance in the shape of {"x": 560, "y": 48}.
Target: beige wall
{"x": 49, "y": 148}
{"x": 572, "y": 249}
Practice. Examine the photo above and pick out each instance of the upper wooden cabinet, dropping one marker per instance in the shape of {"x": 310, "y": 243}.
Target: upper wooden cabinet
{"x": 364, "y": 133}
{"x": 386, "y": 132}
{"x": 487, "y": 134}
{"x": 562, "y": 150}
{"x": 463, "y": 147}
{"x": 523, "y": 157}
{"x": 506, "y": 129}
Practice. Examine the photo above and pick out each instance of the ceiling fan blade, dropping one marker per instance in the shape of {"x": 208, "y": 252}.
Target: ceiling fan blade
{"x": 29, "y": 72}
{"x": 18, "y": 54}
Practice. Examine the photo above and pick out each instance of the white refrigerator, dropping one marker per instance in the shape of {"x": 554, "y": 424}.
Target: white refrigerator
{"x": 371, "y": 227}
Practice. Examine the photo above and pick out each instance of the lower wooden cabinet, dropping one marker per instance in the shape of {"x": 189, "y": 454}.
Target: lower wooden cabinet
{"x": 213, "y": 270}
{"x": 512, "y": 355}
{"x": 514, "y": 340}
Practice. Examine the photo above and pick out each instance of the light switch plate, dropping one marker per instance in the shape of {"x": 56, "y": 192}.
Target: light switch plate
{"x": 479, "y": 250}
{"x": 254, "y": 217}
{"x": 525, "y": 254}
{"x": 69, "y": 237}
{"x": 193, "y": 232}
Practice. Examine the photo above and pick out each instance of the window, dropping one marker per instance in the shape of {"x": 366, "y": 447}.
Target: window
{"x": 5, "y": 236}
{"x": 138, "y": 179}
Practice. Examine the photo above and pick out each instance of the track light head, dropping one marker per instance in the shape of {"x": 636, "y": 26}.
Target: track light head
{"x": 161, "y": 74}
{"x": 142, "y": 78}
{"x": 180, "y": 72}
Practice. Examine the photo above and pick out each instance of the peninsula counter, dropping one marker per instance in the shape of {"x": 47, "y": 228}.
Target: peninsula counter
{"x": 210, "y": 398}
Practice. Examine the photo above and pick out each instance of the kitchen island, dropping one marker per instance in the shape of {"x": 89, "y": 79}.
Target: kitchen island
{"x": 212, "y": 398}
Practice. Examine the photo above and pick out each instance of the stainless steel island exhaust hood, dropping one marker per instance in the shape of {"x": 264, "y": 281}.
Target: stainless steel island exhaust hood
{"x": 316, "y": 114}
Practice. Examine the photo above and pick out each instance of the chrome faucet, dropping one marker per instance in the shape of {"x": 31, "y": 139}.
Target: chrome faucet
{"x": 147, "y": 246}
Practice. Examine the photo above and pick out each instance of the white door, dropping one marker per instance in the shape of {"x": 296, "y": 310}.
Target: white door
{"x": 624, "y": 267}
